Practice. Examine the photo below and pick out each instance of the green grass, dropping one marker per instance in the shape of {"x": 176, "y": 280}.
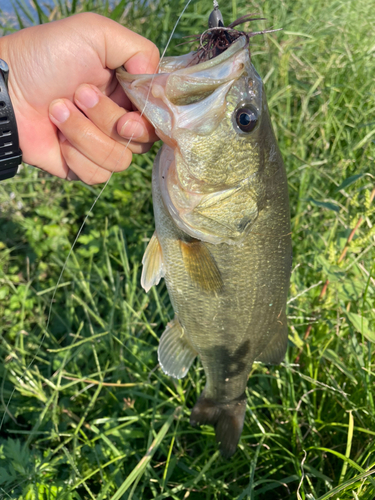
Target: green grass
{"x": 91, "y": 415}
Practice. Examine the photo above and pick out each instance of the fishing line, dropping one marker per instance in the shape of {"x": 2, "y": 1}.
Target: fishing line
{"x": 84, "y": 222}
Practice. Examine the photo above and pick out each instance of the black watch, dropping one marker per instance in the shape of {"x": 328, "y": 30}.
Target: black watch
{"x": 10, "y": 153}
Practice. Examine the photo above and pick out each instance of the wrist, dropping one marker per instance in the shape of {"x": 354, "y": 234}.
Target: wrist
{"x": 3, "y": 46}
{"x": 10, "y": 153}
{"x": 6, "y": 55}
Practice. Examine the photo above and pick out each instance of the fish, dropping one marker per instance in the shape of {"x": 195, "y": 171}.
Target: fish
{"x": 222, "y": 239}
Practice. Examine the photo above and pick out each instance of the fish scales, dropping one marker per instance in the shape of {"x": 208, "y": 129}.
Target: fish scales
{"x": 244, "y": 314}
{"x": 222, "y": 237}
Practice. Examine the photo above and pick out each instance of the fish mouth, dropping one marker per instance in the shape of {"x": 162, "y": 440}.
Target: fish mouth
{"x": 173, "y": 64}
{"x": 179, "y": 84}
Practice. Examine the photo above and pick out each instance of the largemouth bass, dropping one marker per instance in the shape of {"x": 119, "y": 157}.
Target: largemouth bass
{"x": 222, "y": 240}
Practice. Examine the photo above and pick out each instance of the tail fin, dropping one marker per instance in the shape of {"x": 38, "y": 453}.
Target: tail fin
{"x": 227, "y": 418}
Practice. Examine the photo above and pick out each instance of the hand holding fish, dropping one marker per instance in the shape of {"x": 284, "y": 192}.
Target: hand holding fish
{"x": 61, "y": 69}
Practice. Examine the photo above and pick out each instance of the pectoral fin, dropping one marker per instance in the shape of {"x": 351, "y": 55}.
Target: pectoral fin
{"x": 153, "y": 268}
{"x": 274, "y": 353}
{"x": 201, "y": 266}
{"x": 234, "y": 210}
{"x": 175, "y": 352}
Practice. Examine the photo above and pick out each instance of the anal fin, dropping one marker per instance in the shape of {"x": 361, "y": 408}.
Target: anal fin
{"x": 153, "y": 268}
{"x": 274, "y": 353}
{"x": 175, "y": 352}
{"x": 201, "y": 266}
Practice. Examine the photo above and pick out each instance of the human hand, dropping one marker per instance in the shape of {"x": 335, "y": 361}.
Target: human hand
{"x": 60, "y": 68}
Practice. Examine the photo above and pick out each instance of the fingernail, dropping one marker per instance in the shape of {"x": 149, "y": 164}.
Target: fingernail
{"x": 141, "y": 64}
{"x": 59, "y": 111}
{"x": 87, "y": 96}
{"x": 61, "y": 136}
{"x": 132, "y": 129}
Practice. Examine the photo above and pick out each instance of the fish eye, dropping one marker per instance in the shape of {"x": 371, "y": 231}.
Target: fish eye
{"x": 246, "y": 118}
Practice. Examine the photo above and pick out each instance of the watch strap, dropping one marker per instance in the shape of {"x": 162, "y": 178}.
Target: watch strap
{"x": 10, "y": 153}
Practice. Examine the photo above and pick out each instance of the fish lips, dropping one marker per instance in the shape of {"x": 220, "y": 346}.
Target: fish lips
{"x": 187, "y": 97}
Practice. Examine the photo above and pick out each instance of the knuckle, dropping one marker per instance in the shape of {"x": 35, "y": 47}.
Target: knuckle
{"x": 89, "y": 17}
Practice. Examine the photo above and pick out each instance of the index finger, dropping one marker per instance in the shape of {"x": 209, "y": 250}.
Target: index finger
{"x": 123, "y": 47}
